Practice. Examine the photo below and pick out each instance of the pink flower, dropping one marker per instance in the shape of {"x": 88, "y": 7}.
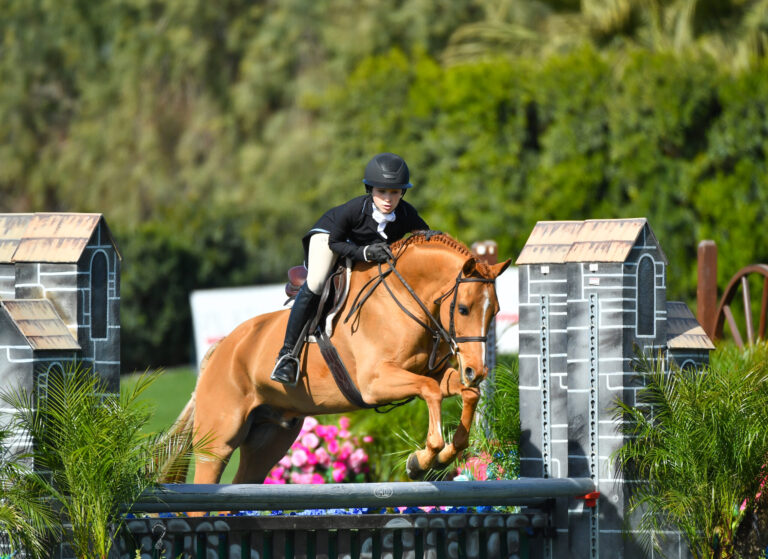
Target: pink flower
{"x": 307, "y": 469}
{"x": 339, "y": 471}
{"x": 311, "y": 458}
{"x": 346, "y": 450}
{"x": 344, "y": 422}
{"x": 310, "y": 441}
{"x": 367, "y": 439}
{"x": 344, "y": 434}
{"x": 277, "y": 472}
{"x": 285, "y": 461}
{"x": 295, "y": 477}
{"x": 333, "y": 446}
{"x": 320, "y": 430}
{"x": 331, "y": 431}
{"x": 298, "y": 457}
{"x": 309, "y": 424}
{"x": 323, "y": 458}
{"x": 477, "y": 467}
{"x": 317, "y": 478}
{"x": 274, "y": 481}
{"x": 357, "y": 459}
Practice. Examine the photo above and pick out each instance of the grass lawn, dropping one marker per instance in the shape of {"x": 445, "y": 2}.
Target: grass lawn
{"x": 167, "y": 397}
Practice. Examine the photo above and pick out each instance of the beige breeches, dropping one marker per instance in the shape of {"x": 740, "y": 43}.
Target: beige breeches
{"x": 320, "y": 262}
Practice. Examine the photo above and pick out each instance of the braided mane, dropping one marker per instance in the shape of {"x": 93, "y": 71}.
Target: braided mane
{"x": 419, "y": 238}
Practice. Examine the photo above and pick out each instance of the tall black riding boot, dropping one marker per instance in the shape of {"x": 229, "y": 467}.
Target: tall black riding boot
{"x": 287, "y": 367}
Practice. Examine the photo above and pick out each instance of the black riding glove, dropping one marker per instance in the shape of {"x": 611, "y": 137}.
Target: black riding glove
{"x": 377, "y": 252}
{"x": 431, "y": 233}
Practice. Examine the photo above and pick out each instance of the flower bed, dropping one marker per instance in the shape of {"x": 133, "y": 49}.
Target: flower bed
{"x": 323, "y": 454}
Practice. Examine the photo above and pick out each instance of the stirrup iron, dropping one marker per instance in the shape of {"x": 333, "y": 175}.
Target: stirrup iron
{"x": 281, "y": 361}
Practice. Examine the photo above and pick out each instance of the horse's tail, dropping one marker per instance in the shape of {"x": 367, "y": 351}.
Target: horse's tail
{"x": 179, "y": 441}
{"x": 174, "y": 451}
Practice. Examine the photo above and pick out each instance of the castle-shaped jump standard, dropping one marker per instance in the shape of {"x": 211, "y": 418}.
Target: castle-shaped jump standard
{"x": 592, "y": 293}
{"x": 59, "y": 298}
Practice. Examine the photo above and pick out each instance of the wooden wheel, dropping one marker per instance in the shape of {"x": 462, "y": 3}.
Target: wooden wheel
{"x": 738, "y": 312}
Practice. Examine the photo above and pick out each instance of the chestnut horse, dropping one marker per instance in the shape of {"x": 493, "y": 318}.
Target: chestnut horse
{"x": 388, "y": 344}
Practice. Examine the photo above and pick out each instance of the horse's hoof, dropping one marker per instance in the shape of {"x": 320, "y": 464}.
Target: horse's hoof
{"x": 412, "y": 468}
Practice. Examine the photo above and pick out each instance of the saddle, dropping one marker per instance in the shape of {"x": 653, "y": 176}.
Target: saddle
{"x": 334, "y": 294}
{"x": 332, "y": 298}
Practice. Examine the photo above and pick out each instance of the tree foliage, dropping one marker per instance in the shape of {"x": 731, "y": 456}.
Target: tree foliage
{"x": 213, "y": 135}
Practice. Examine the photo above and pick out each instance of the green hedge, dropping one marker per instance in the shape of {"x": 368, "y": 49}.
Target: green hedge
{"x": 496, "y": 146}
{"x": 493, "y": 148}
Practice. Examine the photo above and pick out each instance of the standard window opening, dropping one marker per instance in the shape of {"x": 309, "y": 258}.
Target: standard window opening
{"x": 646, "y": 297}
{"x": 99, "y": 296}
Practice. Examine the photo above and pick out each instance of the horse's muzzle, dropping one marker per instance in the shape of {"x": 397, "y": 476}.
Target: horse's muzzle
{"x": 469, "y": 375}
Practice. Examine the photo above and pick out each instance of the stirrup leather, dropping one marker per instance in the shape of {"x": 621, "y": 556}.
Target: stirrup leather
{"x": 281, "y": 360}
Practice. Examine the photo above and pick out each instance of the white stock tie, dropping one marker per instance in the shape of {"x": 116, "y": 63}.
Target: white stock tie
{"x": 382, "y": 219}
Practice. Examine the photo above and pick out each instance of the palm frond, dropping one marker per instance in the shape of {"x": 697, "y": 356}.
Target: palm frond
{"x": 698, "y": 442}
{"x": 99, "y": 460}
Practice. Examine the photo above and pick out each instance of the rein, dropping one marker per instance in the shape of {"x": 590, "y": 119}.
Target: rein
{"x": 436, "y": 329}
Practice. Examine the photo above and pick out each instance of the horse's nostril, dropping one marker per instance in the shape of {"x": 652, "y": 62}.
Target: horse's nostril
{"x": 469, "y": 373}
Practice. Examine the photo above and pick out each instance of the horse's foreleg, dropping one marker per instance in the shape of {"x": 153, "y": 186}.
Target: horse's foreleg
{"x": 469, "y": 399}
{"x": 421, "y": 460}
{"x": 394, "y": 383}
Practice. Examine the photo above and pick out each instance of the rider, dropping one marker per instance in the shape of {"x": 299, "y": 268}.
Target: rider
{"x": 361, "y": 230}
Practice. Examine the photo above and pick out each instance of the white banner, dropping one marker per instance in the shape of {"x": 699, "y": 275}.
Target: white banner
{"x": 507, "y": 328}
{"x": 216, "y": 312}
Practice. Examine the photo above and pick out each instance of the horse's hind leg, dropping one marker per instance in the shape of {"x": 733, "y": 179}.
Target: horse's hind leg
{"x": 220, "y": 434}
{"x": 210, "y": 466}
{"x": 265, "y": 445}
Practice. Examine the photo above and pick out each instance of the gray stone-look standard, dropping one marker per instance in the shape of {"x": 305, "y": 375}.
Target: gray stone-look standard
{"x": 59, "y": 301}
{"x": 592, "y": 296}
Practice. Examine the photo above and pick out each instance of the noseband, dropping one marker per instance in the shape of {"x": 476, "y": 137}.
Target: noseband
{"x": 436, "y": 328}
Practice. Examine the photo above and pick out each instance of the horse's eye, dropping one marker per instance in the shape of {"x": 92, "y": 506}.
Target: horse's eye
{"x": 463, "y": 310}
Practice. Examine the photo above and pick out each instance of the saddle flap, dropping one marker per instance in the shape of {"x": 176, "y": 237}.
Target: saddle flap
{"x": 332, "y": 299}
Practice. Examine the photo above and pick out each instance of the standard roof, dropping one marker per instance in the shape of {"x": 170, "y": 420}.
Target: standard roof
{"x": 683, "y": 330}
{"x": 12, "y": 227}
{"x": 593, "y": 240}
{"x": 47, "y": 237}
{"x": 549, "y": 242}
{"x": 40, "y": 324}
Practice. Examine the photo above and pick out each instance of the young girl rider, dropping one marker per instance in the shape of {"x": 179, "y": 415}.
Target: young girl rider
{"x": 361, "y": 229}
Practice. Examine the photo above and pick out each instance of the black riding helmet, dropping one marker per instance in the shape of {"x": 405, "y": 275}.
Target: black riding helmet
{"x": 387, "y": 170}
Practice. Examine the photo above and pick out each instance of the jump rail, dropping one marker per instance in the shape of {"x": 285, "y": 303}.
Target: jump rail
{"x": 416, "y": 535}
{"x": 526, "y": 491}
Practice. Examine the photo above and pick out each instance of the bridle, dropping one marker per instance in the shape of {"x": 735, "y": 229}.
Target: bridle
{"x": 433, "y": 325}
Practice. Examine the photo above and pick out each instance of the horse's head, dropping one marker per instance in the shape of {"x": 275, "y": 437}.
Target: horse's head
{"x": 465, "y": 297}
{"x": 468, "y": 310}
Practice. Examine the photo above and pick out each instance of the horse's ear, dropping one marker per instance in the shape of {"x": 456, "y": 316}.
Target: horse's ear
{"x": 469, "y": 267}
{"x": 497, "y": 269}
